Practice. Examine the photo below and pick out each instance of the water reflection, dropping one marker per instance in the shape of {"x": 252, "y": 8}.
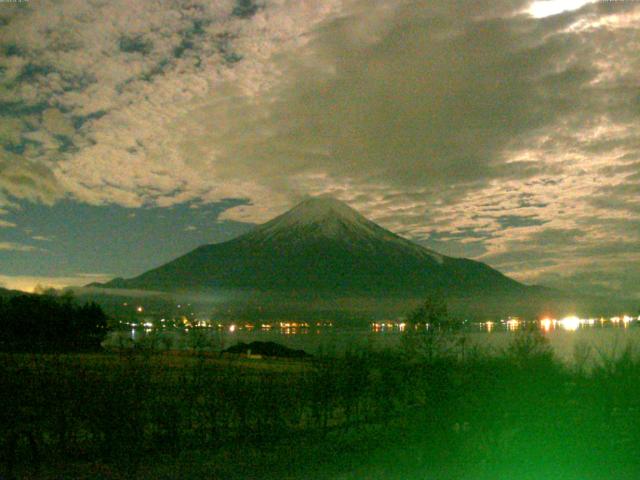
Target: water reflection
{"x": 564, "y": 334}
{"x": 513, "y": 324}
{"x": 570, "y": 323}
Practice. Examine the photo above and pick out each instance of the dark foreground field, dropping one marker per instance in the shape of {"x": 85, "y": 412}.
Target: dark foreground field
{"x": 423, "y": 412}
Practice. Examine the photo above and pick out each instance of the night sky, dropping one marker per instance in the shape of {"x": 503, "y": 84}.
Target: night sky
{"x": 504, "y": 131}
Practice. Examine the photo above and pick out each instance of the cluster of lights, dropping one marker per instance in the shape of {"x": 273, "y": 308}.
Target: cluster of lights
{"x": 488, "y": 325}
{"x": 573, "y": 323}
{"x": 286, "y": 327}
{"x": 625, "y": 319}
{"x": 294, "y": 325}
{"x": 187, "y": 320}
{"x": 389, "y": 325}
{"x": 513, "y": 323}
{"x": 569, "y": 323}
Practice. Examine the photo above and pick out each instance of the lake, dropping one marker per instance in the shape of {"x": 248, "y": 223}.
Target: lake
{"x": 598, "y": 336}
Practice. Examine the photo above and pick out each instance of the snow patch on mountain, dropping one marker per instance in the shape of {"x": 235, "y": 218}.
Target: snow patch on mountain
{"x": 323, "y": 215}
{"x": 326, "y": 217}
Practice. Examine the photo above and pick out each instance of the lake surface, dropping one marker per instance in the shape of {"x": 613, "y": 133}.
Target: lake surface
{"x": 566, "y": 337}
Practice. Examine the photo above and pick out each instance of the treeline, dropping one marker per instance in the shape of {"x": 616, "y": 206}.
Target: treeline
{"x": 516, "y": 413}
{"x": 50, "y": 323}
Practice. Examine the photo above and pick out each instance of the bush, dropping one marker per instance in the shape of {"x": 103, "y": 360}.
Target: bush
{"x": 505, "y": 414}
{"x": 431, "y": 332}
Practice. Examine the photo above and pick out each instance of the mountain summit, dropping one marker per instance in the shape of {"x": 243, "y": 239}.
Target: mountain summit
{"x": 325, "y": 247}
{"x": 323, "y": 216}
{"x": 328, "y": 219}
{"x": 315, "y": 210}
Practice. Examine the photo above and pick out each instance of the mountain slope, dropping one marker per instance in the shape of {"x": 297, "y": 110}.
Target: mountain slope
{"x": 322, "y": 245}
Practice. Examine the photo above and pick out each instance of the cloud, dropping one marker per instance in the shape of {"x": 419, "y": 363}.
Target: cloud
{"x": 6, "y": 224}
{"x": 28, "y": 283}
{"x": 455, "y": 109}
{"x": 17, "y": 247}
{"x": 96, "y": 93}
{"x": 24, "y": 179}
{"x": 491, "y": 129}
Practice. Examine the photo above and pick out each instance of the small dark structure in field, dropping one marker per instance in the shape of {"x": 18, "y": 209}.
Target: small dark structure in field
{"x": 266, "y": 349}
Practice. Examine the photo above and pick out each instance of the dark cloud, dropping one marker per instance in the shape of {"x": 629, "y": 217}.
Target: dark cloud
{"x": 135, "y": 44}
{"x": 245, "y": 8}
{"x": 432, "y": 99}
{"x": 426, "y": 99}
{"x": 80, "y": 120}
{"x": 19, "y": 108}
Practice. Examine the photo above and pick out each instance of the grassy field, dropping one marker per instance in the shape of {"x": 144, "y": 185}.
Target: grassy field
{"x": 419, "y": 412}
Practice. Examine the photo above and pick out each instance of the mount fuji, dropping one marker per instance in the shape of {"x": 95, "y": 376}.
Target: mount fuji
{"x": 323, "y": 246}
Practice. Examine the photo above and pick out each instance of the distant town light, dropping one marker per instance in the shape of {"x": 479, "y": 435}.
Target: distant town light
{"x": 513, "y": 324}
{"x": 571, "y": 324}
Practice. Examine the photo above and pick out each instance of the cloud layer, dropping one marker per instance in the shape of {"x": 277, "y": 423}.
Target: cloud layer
{"x": 473, "y": 127}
